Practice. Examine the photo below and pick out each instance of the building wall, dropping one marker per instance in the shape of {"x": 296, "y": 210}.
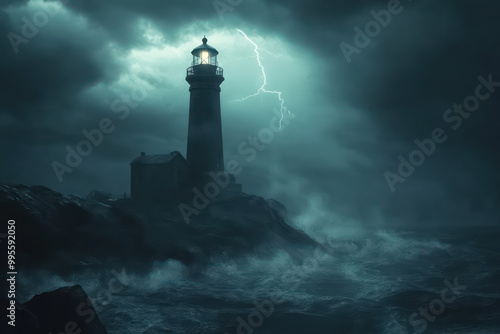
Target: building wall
{"x": 158, "y": 182}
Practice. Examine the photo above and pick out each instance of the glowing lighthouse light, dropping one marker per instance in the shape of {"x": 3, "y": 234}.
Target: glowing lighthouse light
{"x": 204, "y": 54}
{"x": 204, "y": 57}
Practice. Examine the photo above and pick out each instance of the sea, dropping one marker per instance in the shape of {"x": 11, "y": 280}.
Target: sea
{"x": 359, "y": 281}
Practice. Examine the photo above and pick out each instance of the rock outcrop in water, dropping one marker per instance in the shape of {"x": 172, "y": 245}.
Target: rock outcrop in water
{"x": 62, "y": 233}
{"x": 65, "y": 310}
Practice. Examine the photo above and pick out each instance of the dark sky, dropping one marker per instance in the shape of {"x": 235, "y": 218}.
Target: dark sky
{"x": 66, "y": 71}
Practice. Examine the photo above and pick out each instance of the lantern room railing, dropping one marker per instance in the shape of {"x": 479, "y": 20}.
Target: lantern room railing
{"x": 205, "y": 69}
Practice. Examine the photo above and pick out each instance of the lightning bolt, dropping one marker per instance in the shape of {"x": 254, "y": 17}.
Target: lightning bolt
{"x": 263, "y": 89}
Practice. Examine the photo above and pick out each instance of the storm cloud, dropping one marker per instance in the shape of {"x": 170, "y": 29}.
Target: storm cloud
{"x": 354, "y": 116}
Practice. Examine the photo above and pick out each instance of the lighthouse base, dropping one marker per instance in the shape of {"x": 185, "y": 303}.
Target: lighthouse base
{"x": 220, "y": 180}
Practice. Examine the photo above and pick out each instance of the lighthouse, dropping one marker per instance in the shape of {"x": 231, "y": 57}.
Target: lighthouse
{"x": 168, "y": 177}
{"x": 204, "y": 147}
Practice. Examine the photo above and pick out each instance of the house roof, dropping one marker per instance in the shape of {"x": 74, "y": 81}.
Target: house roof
{"x": 156, "y": 159}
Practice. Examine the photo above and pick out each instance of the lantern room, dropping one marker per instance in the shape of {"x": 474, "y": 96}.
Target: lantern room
{"x": 204, "y": 54}
{"x": 204, "y": 61}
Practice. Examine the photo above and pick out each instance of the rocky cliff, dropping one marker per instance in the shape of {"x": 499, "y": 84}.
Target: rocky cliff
{"x": 63, "y": 233}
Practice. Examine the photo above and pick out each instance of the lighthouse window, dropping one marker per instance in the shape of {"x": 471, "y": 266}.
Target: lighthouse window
{"x": 204, "y": 57}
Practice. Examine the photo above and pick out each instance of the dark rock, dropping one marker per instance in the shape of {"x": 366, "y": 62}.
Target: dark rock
{"x": 62, "y": 233}
{"x": 58, "y": 233}
{"x": 279, "y": 207}
{"x": 65, "y": 310}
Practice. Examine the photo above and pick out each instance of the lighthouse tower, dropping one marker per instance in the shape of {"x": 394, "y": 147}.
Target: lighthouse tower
{"x": 204, "y": 148}
{"x": 167, "y": 177}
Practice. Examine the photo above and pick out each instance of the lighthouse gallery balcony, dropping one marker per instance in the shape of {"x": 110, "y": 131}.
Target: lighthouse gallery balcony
{"x": 205, "y": 70}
